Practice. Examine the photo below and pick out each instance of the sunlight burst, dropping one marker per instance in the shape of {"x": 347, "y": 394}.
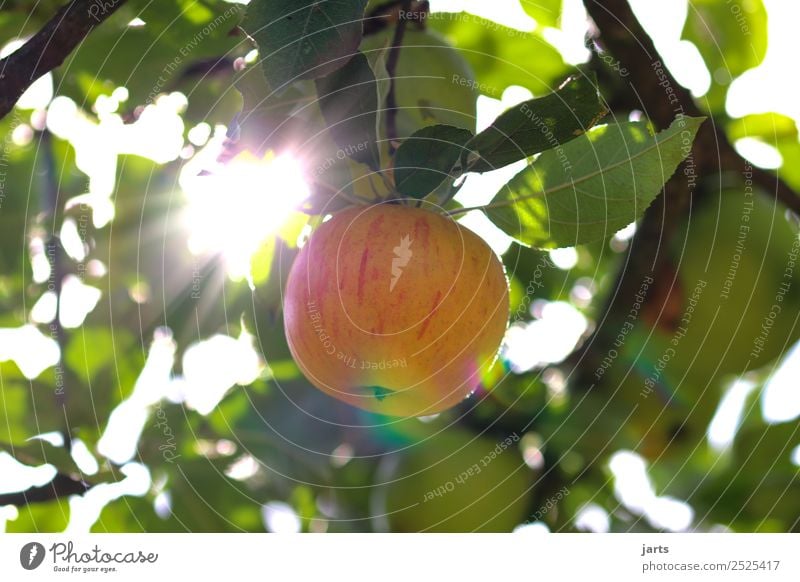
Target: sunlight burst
{"x": 233, "y": 211}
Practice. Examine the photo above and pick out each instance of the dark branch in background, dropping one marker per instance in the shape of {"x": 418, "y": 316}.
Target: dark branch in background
{"x": 48, "y": 48}
{"x": 622, "y": 36}
{"x": 391, "y": 67}
{"x": 61, "y": 486}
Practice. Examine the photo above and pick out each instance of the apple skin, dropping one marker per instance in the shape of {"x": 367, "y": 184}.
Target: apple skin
{"x": 398, "y": 328}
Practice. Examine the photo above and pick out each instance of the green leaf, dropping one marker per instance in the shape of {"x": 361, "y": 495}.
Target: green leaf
{"x": 261, "y": 261}
{"x": 779, "y": 132}
{"x": 348, "y": 99}
{"x": 433, "y": 82}
{"x": 593, "y": 186}
{"x": 501, "y": 56}
{"x": 537, "y": 124}
{"x": 546, "y": 12}
{"x": 90, "y": 350}
{"x": 731, "y": 37}
{"x": 303, "y": 39}
{"x": 425, "y": 159}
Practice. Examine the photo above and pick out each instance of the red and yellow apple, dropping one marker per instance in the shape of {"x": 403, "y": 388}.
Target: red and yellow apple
{"x": 395, "y": 309}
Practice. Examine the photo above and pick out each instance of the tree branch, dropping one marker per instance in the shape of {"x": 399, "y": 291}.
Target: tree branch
{"x": 48, "y": 48}
{"x": 623, "y": 36}
{"x": 60, "y": 486}
{"x": 662, "y": 99}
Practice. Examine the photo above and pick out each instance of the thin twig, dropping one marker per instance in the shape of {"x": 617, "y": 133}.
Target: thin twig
{"x": 391, "y": 67}
{"x": 61, "y": 486}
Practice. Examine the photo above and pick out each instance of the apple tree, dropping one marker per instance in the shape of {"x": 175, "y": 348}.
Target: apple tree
{"x": 317, "y": 265}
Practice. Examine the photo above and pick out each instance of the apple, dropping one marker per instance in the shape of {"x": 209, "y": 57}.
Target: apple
{"x": 434, "y": 83}
{"x": 736, "y": 295}
{"x": 742, "y": 252}
{"x": 731, "y": 309}
{"x": 457, "y": 482}
{"x": 395, "y": 309}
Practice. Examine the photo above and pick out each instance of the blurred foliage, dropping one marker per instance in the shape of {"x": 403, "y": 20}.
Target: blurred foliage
{"x": 341, "y": 469}
{"x": 731, "y": 37}
{"x": 501, "y": 56}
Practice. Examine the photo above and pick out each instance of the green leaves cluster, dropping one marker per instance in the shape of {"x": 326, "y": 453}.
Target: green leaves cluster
{"x": 581, "y": 188}
{"x": 578, "y": 187}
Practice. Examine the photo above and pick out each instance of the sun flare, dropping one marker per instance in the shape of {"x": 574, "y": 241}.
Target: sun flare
{"x": 234, "y": 210}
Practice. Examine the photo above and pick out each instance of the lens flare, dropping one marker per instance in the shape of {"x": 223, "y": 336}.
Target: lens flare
{"x": 234, "y": 210}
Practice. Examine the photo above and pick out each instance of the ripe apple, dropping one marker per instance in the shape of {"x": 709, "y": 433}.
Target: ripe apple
{"x": 457, "y": 482}
{"x": 395, "y": 309}
{"x": 434, "y": 83}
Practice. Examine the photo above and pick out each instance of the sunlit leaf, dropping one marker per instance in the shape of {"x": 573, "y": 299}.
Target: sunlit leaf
{"x": 51, "y": 517}
{"x": 593, "y": 186}
{"x": 536, "y": 125}
{"x": 502, "y": 56}
{"x": 778, "y": 131}
{"x": 545, "y": 12}
{"x": 90, "y": 350}
{"x": 261, "y": 262}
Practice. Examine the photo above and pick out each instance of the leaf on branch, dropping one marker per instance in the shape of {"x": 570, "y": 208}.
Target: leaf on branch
{"x": 304, "y": 39}
{"x": 426, "y": 158}
{"x": 592, "y": 187}
{"x": 348, "y": 99}
{"x": 537, "y": 125}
